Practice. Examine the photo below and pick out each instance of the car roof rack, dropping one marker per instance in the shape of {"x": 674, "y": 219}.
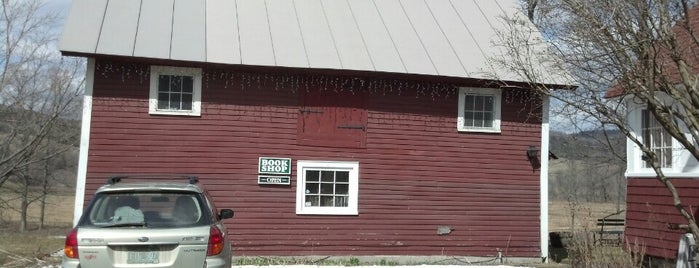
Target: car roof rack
{"x": 116, "y": 179}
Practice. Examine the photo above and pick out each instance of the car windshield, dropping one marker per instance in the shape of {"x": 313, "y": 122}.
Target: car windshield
{"x": 145, "y": 209}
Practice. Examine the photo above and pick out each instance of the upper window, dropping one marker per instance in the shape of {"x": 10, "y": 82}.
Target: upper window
{"x": 175, "y": 91}
{"x": 657, "y": 139}
{"x": 329, "y": 188}
{"x": 479, "y": 110}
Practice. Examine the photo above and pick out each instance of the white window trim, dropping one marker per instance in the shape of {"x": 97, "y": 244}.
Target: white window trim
{"x": 683, "y": 165}
{"x": 352, "y": 167}
{"x": 496, "y": 93}
{"x": 156, "y": 71}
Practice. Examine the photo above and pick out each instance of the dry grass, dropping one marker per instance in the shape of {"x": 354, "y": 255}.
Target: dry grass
{"x": 59, "y": 208}
{"x": 33, "y": 247}
{"x": 566, "y": 216}
{"x": 575, "y": 222}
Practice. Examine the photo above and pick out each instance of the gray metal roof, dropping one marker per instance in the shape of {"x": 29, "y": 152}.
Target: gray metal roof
{"x": 452, "y": 38}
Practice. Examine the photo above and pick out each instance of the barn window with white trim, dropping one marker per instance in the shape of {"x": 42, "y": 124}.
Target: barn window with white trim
{"x": 479, "y": 110}
{"x": 327, "y": 187}
{"x": 175, "y": 91}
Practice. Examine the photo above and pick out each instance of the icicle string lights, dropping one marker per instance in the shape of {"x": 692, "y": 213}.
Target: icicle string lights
{"x": 297, "y": 82}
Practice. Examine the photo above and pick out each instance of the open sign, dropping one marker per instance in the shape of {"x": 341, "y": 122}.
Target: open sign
{"x": 280, "y": 180}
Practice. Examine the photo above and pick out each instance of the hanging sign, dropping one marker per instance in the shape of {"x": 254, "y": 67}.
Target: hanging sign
{"x": 274, "y": 165}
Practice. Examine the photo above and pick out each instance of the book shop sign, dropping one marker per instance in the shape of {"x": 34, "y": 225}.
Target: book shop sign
{"x": 270, "y": 168}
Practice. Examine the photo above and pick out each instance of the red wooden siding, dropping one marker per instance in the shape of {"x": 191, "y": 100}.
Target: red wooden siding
{"x": 650, "y": 209}
{"x": 416, "y": 172}
{"x": 332, "y": 118}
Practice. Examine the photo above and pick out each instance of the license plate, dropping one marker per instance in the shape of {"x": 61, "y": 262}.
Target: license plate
{"x": 143, "y": 257}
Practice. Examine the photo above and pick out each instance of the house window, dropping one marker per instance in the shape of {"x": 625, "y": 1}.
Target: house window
{"x": 175, "y": 91}
{"x": 657, "y": 139}
{"x": 327, "y": 188}
{"x": 479, "y": 110}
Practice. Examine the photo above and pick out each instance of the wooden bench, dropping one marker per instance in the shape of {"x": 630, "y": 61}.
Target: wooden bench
{"x": 611, "y": 230}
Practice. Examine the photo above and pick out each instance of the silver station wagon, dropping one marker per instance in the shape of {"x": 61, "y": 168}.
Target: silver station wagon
{"x": 154, "y": 223}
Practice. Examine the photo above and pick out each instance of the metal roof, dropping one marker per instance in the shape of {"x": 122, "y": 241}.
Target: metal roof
{"x": 454, "y": 38}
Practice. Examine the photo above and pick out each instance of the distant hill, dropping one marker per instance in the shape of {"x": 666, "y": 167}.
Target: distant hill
{"x": 590, "y": 166}
{"x": 593, "y": 143}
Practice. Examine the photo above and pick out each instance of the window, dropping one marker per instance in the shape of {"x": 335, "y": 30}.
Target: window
{"x": 657, "y": 139}
{"x": 479, "y": 110}
{"x": 175, "y": 91}
{"x": 151, "y": 209}
{"x": 328, "y": 188}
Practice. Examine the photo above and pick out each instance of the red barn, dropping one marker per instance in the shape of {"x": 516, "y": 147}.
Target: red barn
{"x": 338, "y": 128}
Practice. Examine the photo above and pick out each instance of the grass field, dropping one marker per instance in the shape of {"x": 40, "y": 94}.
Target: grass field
{"x": 34, "y": 247}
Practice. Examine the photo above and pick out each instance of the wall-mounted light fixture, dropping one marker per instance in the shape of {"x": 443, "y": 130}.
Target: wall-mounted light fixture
{"x": 533, "y": 156}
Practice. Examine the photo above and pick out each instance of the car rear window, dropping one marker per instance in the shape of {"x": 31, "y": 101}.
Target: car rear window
{"x": 146, "y": 209}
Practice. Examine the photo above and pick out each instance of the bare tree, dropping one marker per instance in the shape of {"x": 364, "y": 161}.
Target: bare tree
{"x": 644, "y": 51}
{"x": 39, "y": 92}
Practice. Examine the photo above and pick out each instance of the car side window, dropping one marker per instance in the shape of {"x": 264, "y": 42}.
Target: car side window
{"x": 212, "y": 207}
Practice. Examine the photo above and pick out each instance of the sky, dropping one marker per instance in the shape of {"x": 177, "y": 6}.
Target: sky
{"x": 61, "y": 7}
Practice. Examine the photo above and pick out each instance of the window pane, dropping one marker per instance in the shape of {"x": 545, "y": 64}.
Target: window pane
{"x": 341, "y": 201}
{"x": 479, "y": 103}
{"x": 163, "y": 100}
{"x": 469, "y": 103}
{"x": 327, "y": 176}
{"x": 342, "y": 176}
{"x": 468, "y": 119}
{"x": 327, "y": 201}
{"x": 312, "y": 188}
{"x": 164, "y": 83}
{"x": 175, "y": 101}
{"x": 312, "y": 175}
{"x": 478, "y": 119}
{"x": 488, "y": 119}
{"x": 327, "y": 188}
{"x": 312, "y": 200}
{"x": 342, "y": 189}
{"x": 187, "y": 84}
{"x": 186, "y": 101}
{"x": 176, "y": 84}
{"x": 488, "y": 103}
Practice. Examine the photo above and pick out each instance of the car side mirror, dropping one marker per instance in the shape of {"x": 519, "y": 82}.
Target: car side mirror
{"x": 226, "y": 214}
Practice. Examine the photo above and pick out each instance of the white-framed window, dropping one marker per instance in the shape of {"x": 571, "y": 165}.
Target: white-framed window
{"x": 479, "y": 110}
{"x": 175, "y": 91}
{"x": 327, "y": 187}
{"x": 657, "y": 139}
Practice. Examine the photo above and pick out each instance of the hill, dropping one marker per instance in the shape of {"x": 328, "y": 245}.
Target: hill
{"x": 590, "y": 166}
